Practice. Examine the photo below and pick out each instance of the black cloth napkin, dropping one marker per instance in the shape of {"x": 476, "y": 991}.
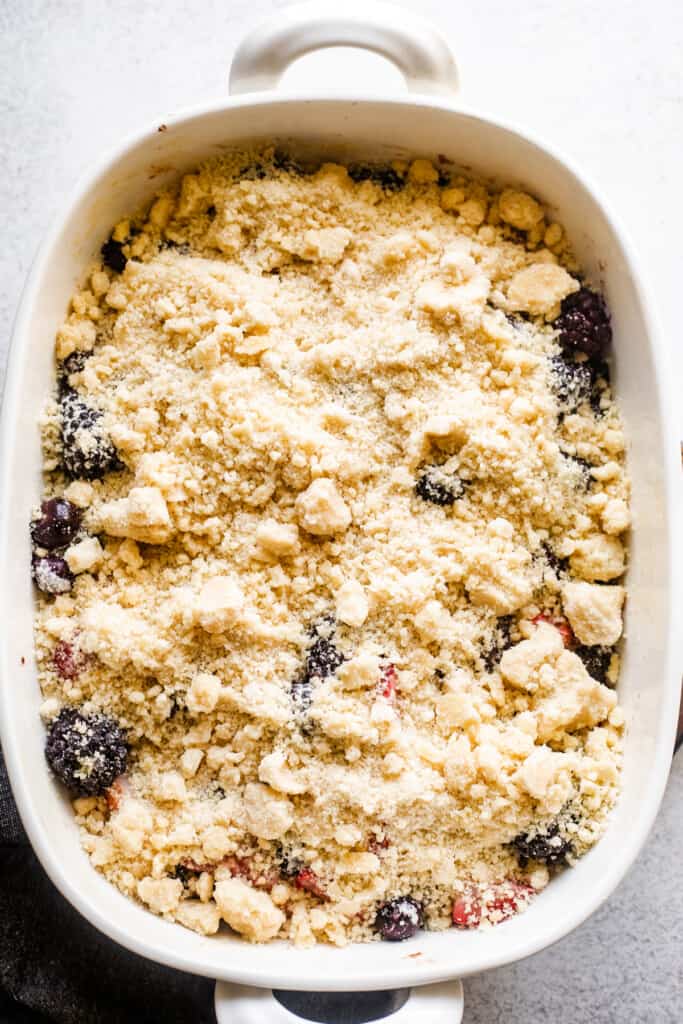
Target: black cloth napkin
{"x": 56, "y": 967}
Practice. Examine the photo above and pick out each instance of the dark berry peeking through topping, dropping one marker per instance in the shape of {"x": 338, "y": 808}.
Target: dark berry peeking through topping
{"x": 324, "y": 658}
{"x": 581, "y": 468}
{"x": 73, "y": 363}
{"x": 557, "y": 564}
{"x": 576, "y": 382}
{"x": 499, "y": 642}
{"x": 548, "y": 847}
{"x": 439, "y": 488}
{"x": 86, "y": 752}
{"x": 382, "y": 175}
{"x": 51, "y": 574}
{"x": 113, "y": 257}
{"x": 87, "y": 451}
{"x": 584, "y": 323}
{"x": 58, "y": 524}
{"x": 399, "y": 919}
{"x": 597, "y": 661}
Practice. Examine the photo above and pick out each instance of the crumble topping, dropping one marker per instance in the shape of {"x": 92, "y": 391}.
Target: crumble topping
{"x": 349, "y": 519}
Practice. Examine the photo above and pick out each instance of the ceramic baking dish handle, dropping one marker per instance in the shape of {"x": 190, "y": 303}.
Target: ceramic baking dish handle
{"x": 405, "y": 39}
{"x": 433, "y": 1004}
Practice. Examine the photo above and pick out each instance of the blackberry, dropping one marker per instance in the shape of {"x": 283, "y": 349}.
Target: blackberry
{"x": 87, "y": 451}
{"x": 582, "y": 468}
{"x": 288, "y": 866}
{"x": 183, "y": 874}
{"x": 72, "y": 364}
{"x": 557, "y": 564}
{"x": 112, "y": 256}
{"x": 500, "y": 641}
{"x": 571, "y": 382}
{"x": 86, "y": 752}
{"x": 301, "y": 692}
{"x": 399, "y": 919}
{"x": 597, "y": 661}
{"x": 548, "y": 847}
{"x": 51, "y": 574}
{"x": 575, "y": 382}
{"x": 381, "y": 174}
{"x": 323, "y": 659}
{"x": 584, "y": 323}
{"x": 58, "y": 524}
{"x": 439, "y": 488}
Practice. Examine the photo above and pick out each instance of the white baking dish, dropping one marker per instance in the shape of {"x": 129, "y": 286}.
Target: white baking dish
{"x": 342, "y": 126}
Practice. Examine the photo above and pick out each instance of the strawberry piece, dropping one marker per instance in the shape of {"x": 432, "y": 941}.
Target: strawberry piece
{"x": 388, "y": 683}
{"x": 196, "y": 867}
{"x": 561, "y": 625}
{"x": 309, "y": 882}
{"x": 508, "y": 898}
{"x": 467, "y": 909}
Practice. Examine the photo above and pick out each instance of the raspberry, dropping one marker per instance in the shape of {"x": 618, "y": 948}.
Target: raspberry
{"x": 561, "y": 625}
{"x": 308, "y": 881}
{"x": 548, "y": 847}
{"x": 112, "y": 256}
{"x": 51, "y": 574}
{"x": 86, "y": 752}
{"x": 399, "y": 919}
{"x": 466, "y": 911}
{"x": 58, "y": 524}
{"x": 68, "y": 661}
{"x": 87, "y": 451}
{"x": 584, "y": 323}
{"x": 508, "y": 899}
{"x": 439, "y": 488}
{"x": 388, "y": 682}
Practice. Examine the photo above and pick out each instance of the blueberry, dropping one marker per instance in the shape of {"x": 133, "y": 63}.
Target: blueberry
{"x": 183, "y": 874}
{"x": 548, "y": 847}
{"x": 381, "y": 174}
{"x": 499, "y": 642}
{"x": 112, "y": 256}
{"x": 597, "y": 661}
{"x": 58, "y": 524}
{"x": 399, "y": 919}
{"x": 87, "y": 451}
{"x": 584, "y": 323}
{"x": 86, "y": 752}
{"x": 439, "y": 488}
{"x": 51, "y": 574}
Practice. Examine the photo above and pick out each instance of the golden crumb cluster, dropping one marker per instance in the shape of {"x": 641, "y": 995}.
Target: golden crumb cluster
{"x": 348, "y": 583}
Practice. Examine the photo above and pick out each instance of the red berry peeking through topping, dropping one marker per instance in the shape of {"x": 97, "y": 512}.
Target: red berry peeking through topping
{"x": 388, "y": 682}
{"x": 561, "y": 625}
{"x": 307, "y": 880}
{"x": 467, "y": 909}
{"x": 496, "y": 903}
{"x": 68, "y": 661}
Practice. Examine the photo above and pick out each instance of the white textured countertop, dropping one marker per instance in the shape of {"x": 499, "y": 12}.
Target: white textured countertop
{"x": 602, "y": 82}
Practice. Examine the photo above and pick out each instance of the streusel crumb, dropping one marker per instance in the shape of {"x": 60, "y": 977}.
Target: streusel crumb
{"x": 330, "y": 598}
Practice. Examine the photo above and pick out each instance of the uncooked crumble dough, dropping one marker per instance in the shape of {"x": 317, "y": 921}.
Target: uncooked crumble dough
{"x": 328, "y": 587}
